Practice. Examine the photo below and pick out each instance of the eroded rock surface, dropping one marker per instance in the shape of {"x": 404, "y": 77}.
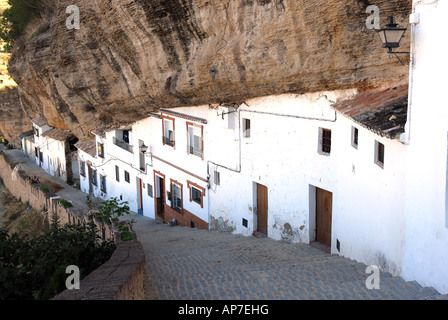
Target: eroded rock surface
{"x": 130, "y": 57}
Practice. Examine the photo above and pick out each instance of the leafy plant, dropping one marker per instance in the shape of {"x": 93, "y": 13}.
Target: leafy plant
{"x": 15, "y": 19}
{"x": 45, "y": 189}
{"x": 66, "y": 204}
{"x": 35, "y": 268}
{"x": 110, "y": 211}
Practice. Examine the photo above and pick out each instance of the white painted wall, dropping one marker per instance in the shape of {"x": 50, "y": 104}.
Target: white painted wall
{"x": 369, "y": 223}
{"x": 425, "y": 257}
{"x": 54, "y": 151}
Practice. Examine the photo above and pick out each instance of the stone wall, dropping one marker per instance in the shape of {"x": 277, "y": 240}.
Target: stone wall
{"x": 24, "y": 188}
{"x": 120, "y": 278}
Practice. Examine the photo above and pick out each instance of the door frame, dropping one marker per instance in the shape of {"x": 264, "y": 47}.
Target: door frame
{"x": 159, "y": 188}
{"x": 139, "y": 195}
{"x": 262, "y": 210}
{"x": 313, "y": 218}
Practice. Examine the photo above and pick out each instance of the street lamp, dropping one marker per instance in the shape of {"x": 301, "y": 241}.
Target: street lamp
{"x": 143, "y": 148}
{"x": 391, "y": 36}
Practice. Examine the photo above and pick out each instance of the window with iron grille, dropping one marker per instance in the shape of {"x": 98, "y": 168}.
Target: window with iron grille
{"x": 103, "y": 183}
{"x": 216, "y": 178}
{"x": 101, "y": 150}
{"x": 196, "y": 195}
{"x": 355, "y": 137}
{"x": 168, "y": 131}
{"x": 379, "y": 154}
{"x": 127, "y": 177}
{"x": 176, "y": 197}
{"x": 195, "y": 140}
{"x": 325, "y": 143}
{"x": 150, "y": 191}
{"x": 82, "y": 168}
{"x": 94, "y": 178}
{"x": 246, "y": 128}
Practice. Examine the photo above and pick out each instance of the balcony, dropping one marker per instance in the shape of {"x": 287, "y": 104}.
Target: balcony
{"x": 168, "y": 141}
{"x": 123, "y": 145}
{"x": 196, "y": 151}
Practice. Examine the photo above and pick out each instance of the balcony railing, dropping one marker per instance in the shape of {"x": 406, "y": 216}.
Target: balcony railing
{"x": 124, "y": 145}
{"x": 196, "y": 151}
{"x": 168, "y": 141}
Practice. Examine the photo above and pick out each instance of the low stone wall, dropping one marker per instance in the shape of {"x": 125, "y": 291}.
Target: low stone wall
{"x": 120, "y": 278}
{"x": 24, "y": 188}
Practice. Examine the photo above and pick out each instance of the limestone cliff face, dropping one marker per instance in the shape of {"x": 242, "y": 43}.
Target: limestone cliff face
{"x": 13, "y": 120}
{"x": 130, "y": 57}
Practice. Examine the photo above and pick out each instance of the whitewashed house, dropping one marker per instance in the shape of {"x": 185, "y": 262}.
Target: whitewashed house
{"x": 363, "y": 175}
{"x": 53, "y": 150}
{"x": 425, "y": 246}
{"x": 156, "y": 165}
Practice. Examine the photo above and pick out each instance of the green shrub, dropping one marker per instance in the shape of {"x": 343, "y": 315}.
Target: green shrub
{"x": 66, "y": 204}
{"x": 35, "y": 268}
{"x": 110, "y": 211}
{"x": 15, "y": 19}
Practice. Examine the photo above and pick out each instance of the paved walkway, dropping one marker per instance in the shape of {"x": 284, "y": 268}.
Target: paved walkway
{"x": 186, "y": 263}
{"x": 61, "y": 188}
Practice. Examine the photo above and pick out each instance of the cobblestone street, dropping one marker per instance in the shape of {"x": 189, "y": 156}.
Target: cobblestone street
{"x": 186, "y": 263}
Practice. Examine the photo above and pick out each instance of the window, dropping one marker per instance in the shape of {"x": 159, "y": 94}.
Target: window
{"x": 126, "y": 136}
{"x": 325, "y": 141}
{"x": 150, "y": 192}
{"x": 142, "y": 161}
{"x": 195, "y": 141}
{"x": 126, "y": 177}
{"x": 216, "y": 178}
{"x": 103, "y": 183}
{"x": 36, "y": 131}
{"x": 117, "y": 173}
{"x": 168, "y": 131}
{"x": 82, "y": 168}
{"x": 379, "y": 154}
{"x": 176, "y": 196}
{"x": 246, "y": 128}
{"x": 94, "y": 178}
{"x": 101, "y": 150}
{"x": 355, "y": 137}
{"x": 196, "y": 193}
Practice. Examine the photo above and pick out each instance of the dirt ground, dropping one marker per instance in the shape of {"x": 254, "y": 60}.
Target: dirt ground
{"x": 18, "y": 217}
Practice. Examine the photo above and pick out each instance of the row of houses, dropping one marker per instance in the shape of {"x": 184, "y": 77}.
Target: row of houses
{"x": 339, "y": 169}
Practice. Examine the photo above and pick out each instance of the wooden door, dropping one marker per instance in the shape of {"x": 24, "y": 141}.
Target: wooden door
{"x": 140, "y": 196}
{"x": 324, "y": 205}
{"x": 262, "y": 209}
{"x": 160, "y": 195}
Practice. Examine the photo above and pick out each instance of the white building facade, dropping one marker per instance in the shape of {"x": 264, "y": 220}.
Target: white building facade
{"x": 425, "y": 249}
{"x": 321, "y": 168}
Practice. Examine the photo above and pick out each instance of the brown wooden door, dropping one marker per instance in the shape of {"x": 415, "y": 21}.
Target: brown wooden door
{"x": 324, "y": 204}
{"x": 160, "y": 196}
{"x": 262, "y": 209}
{"x": 140, "y": 196}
